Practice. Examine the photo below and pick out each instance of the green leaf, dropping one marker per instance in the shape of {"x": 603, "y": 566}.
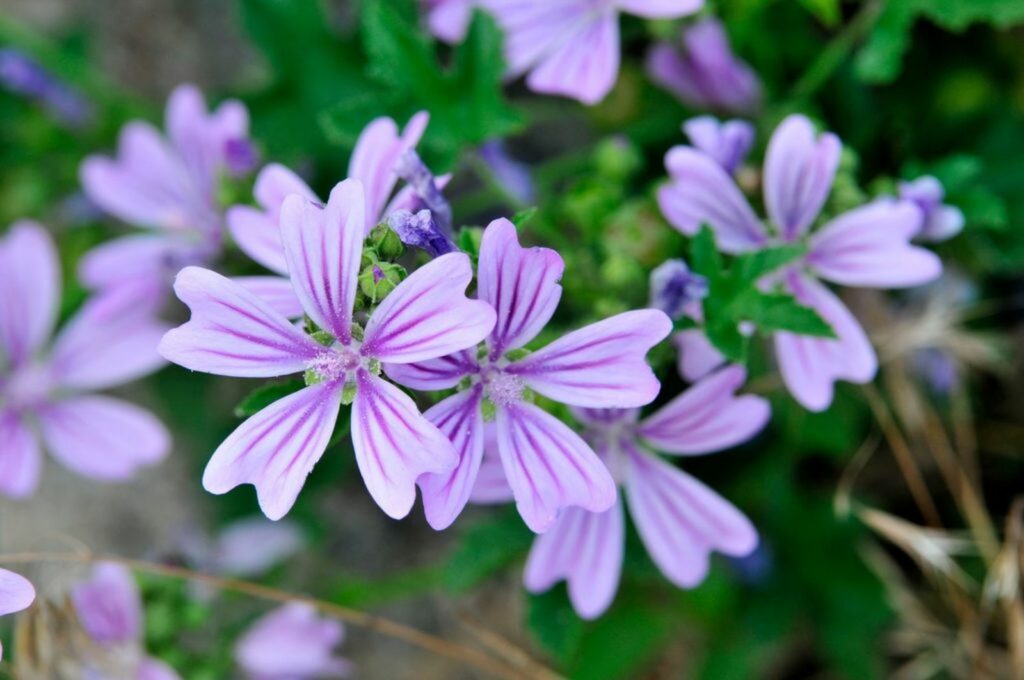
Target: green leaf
{"x": 704, "y": 256}
{"x": 752, "y": 266}
{"x": 554, "y": 624}
{"x": 485, "y": 548}
{"x": 826, "y": 11}
{"x": 265, "y": 395}
{"x": 778, "y": 312}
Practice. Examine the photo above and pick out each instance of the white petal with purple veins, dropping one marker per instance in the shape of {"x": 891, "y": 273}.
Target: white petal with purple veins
{"x": 434, "y": 374}
{"x": 460, "y": 419}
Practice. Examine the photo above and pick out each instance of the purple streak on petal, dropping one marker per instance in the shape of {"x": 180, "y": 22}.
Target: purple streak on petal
{"x": 428, "y": 315}
{"x": 697, "y": 356}
{"x": 700, "y": 192}
{"x": 449, "y": 19}
{"x": 941, "y": 222}
{"x": 421, "y": 231}
{"x": 460, "y": 419}
{"x": 728, "y": 143}
{"x": 16, "y": 592}
{"x": 810, "y": 366}
{"x": 681, "y": 521}
{"x": 109, "y": 605}
{"x": 870, "y": 246}
{"x": 426, "y": 188}
{"x": 799, "y": 168}
{"x": 491, "y": 485}
{"x": 584, "y": 63}
{"x": 276, "y": 291}
{"x": 548, "y": 466}
{"x": 251, "y": 546}
{"x": 375, "y": 160}
{"x": 29, "y": 291}
{"x": 20, "y": 459}
{"x": 602, "y": 365}
{"x": 232, "y": 332}
{"x": 674, "y": 288}
{"x": 707, "y": 417}
{"x": 586, "y": 549}
{"x": 324, "y": 248}
{"x": 292, "y": 642}
{"x": 434, "y": 374}
{"x": 512, "y": 174}
{"x": 276, "y": 449}
{"x": 395, "y": 444}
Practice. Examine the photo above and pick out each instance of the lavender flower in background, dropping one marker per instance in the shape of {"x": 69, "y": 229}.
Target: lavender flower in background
{"x": 571, "y": 47}
{"x": 21, "y": 75}
{"x": 728, "y": 143}
{"x": 941, "y": 222}
{"x": 601, "y": 365}
{"x": 16, "y": 594}
{"x": 292, "y": 643}
{"x": 167, "y": 186}
{"x": 232, "y": 332}
{"x": 247, "y": 547}
{"x": 109, "y": 607}
{"x": 110, "y": 341}
{"x": 510, "y": 173}
{"x": 702, "y": 71}
{"x": 680, "y": 521}
{"x": 868, "y": 246}
{"x": 675, "y": 289}
{"x": 449, "y": 19}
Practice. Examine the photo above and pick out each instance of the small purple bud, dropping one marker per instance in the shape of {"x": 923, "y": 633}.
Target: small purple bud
{"x": 941, "y": 221}
{"x": 510, "y": 173}
{"x": 240, "y": 156}
{"x": 727, "y": 143}
{"x": 378, "y": 274}
{"x": 674, "y": 287}
{"x": 418, "y": 176}
{"x": 420, "y": 230}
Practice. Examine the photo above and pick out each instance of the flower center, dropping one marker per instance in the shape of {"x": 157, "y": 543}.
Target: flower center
{"x": 27, "y": 387}
{"x": 334, "y": 363}
{"x": 503, "y": 388}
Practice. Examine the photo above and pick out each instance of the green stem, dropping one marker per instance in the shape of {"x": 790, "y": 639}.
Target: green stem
{"x": 836, "y": 52}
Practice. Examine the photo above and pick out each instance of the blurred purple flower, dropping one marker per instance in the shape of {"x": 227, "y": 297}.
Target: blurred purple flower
{"x": 571, "y": 47}
{"x": 510, "y": 173}
{"x": 426, "y": 189}
{"x": 703, "y": 72}
{"x": 868, "y": 246}
{"x": 16, "y": 594}
{"x": 233, "y": 332}
{"x": 292, "y": 643}
{"x": 420, "y": 230}
{"x": 674, "y": 288}
{"x": 449, "y": 19}
{"x": 728, "y": 143}
{"x": 600, "y": 365}
{"x": 111, "y": 341}
{"x": 247, "y": 547}
{"x": 166, "y": 185}
{"x": 941, "y": 222}
{"x": 679, "y": 520}
{"x": 938, "y": 368}
{"x": 20, "y": 74}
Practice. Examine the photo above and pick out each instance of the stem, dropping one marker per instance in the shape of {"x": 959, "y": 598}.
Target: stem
{"x": 835, "y": 53}
{"x": 431, "y": 643}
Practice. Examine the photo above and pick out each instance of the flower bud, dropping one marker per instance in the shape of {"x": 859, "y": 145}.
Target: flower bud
{"x": 379, "y": 279}
{"x": 386, "y": 242}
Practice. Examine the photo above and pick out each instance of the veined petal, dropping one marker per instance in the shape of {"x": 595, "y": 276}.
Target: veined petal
{"x": 491, "y": 485}
{"x": 434, "y": 374}
{"x": 323, "y": 248}
{"x": 602, "y": 365}
{"x": 201, "y": 138}
{"x": 697, "y": 356}
{"x": 428, "y": 315}
{"x": 521, "y": 284}
{"x": 109, "y": 605}
{"x": 20, "y": 460}
{"x": 548, "y": 466}
{"x": 103, "y": 438}
{"x": 586, "y": 549}
{"x": 533, "y": 29}
{"x": 460, "y": 419}
{"x": 233, "y": 332}
{"x": 374, "y": 158}
{"x": 799, "y": 169}
{"x": 810, "y": 366}
{"x": 29, "y": 291}
{"x": 585, "y": 63}
{"x": 16, "y": 592}
{"x": 870, "y": 246}
{"x": 707, "y": 417}
{"x": 701, "y": 192}
{"x": 395, "y": 444}
{"x": 681, "y": 521}
{"x": 276, "y": 291}
{"x": 275, "y": 449}
{"x": 140, "y": 260}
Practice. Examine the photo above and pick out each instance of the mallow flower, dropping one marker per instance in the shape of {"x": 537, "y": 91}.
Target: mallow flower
{"x": 941, "y": 222}
{"x": 548, "y": 465}
{"x": 109, "y": 608}
{"x": 571, "y": 47}
{"x": 16, "y": 594}
{"x": 46, "y": 387}
{"x": 449, "y": 19}
{"x": 727, "y": 142}
{"x": 292, "y": 643}
{"x": 235, "y": 333}
{"x": 166, "y": 185}
{"x": 869, "y": 246}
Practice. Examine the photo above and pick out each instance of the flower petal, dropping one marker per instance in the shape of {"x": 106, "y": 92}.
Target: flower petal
{"x": 810, "y": 366}
{"x": 252, "y": 546}
{"x": 870, "y": 246}
{"x": 276, "y": 291}
{"x": 155, "y": 669}
{"x": 491, "y": 486}
{"x": 697, "y": 356}
{"x": 681, "y": 521}
{"x": 660, "y": 9}
{"x": 602, "y": 365}
{"x": 103, "y": 438}
{"x": 29, "y": 291}
{"x": 434, "y": 374}
{"x": 147, "y": 259}
{"x": 799, "y": 169}
{"x": 548, "y": 466}
{"x": 374, "y": 158}
{"x": 428, "y": 315}
{"x": 323, "y": 248}
{"x": 233, "y": 332}
{"x": 395, "y": 444}
{"x": 20, "y": 460}
{"x": 275, "y": 449}
{"x": 292, "y": 641}
{"x": 521, "y": 284}
{"x": 449, "y": 19}
{"x": 16, "y": 592}
{"x": 201, "y": 138}
{"x": 701, "y": 192}
{"x": 585, "y": 64}
{"x": 586, "y": 549}
{"x": 460, "y": 419}
{"x": 109, "y": 605}
{"x": 707, "y": 417}
{"x": 533, "y": 29}
{"x": 726, "y": 142}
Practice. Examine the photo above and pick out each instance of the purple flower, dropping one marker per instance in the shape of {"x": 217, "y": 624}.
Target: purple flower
{"x": 868, "y": 246}
{"x": 109, "y": 607}
{"x": 679, "y": 520}
{"x": 703, "y": 72}
{"x": 674, "y": 288}
{"x": 941, "y": 222}
{"x": 728, "y": 143}
{"x": 420, "y": 230}
{"x": 513, "y": 175}
{"x": 449, "y": 19}
{"x": 425, "y": 188}
{"x": 45, "y": 388}
{"x": 571, "y": 47}
{"x": 233, "y": 332}
{"x": 292, "y": 643}
{"x": 16, "y": 594}
{"x": 600, "y": 365}
{"x": 247, "y": 547}
{"x": 167, "y": 186}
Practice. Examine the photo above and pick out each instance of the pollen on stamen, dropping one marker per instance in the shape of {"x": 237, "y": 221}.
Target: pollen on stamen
{"x": 504, "y": 389}
{"x": 332, "y": 365}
